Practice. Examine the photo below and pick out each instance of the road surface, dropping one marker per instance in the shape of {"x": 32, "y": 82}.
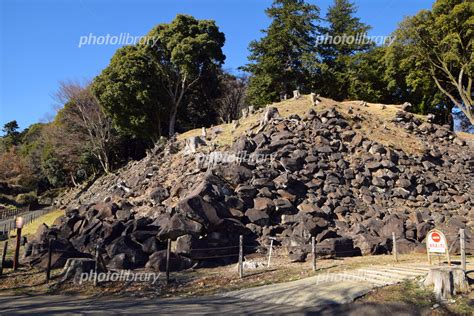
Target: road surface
{"x": 321, "y": 294}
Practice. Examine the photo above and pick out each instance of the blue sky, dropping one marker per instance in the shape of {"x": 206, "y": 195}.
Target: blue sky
{"x": 39, "y": 39}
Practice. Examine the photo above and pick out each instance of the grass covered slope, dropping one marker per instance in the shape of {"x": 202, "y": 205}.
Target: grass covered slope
{"x": 376, "y": 122}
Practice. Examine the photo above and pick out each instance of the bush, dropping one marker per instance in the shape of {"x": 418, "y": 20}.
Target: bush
{"x": 27, "y": 198}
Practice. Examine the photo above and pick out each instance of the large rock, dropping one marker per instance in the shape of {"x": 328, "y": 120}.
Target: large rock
{"x": 132, "y": 253}
{"x": 337, "y": 247}
{"x": 178, "y": 225}
{"x": 157, "y": 262}
{"x": 204, "y": 204}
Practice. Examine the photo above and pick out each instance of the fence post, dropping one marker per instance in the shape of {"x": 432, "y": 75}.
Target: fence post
{"x": 168, "y": 253}
{"x": 241, "y": 256}
{"x": 48, "y": 267}
{"x": 394, "y": 247}
{"x": 270, "y": 252}
{"x": 463, "y": 248}
{"x": 96, "y": 265}
{"x": 4, "y": 255}
{"x": 313, "y": 251}
{"x": 16, "y": 258}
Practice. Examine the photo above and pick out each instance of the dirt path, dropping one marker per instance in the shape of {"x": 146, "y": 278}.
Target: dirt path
{"x": 314, "y": 294}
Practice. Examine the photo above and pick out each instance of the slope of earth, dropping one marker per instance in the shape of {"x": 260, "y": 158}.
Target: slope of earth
{"x": 348, "y": 173}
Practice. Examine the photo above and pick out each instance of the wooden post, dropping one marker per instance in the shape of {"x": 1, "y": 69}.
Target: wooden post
{"x": 241, "y": 256}
{"x": 463, "y": 248}
{"x": 270, "y": 252}
{"x": 50, "y": 254}
{"x": 4, "y": 255}
{"x": 313, "y": 251}
{"x": 394, "y": 248}
{"x": 448, "y": 255}
{"x": 96, "y": 265}
{"x": 17, "y": 250}
{"x": 168, "y": 253}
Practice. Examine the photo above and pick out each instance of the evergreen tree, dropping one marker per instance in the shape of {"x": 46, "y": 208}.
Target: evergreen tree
{"x": 283, "y": 59}
{"x": 12, "y": 136}
{"x": 337, "y": 51}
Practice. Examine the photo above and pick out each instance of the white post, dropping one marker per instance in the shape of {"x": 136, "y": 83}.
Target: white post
{"x": 394, "y": 248}
{"x": 463, "y": 248}
{"x": 270, "y": 252}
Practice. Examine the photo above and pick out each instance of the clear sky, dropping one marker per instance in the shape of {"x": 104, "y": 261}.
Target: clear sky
{"x": 39, "y": 39}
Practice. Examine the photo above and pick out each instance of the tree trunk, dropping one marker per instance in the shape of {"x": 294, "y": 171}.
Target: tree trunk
{"x": 172, "y": 121}
{"x": 447, "y": 281}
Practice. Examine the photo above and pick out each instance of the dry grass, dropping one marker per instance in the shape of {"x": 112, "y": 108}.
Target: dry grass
{"x": 47, "y": 219}
{"x": 376, "y": 124}
{"x": 203, "y": 281}
{"x": 422, "y": 299}
{"x": 32, "y": 227}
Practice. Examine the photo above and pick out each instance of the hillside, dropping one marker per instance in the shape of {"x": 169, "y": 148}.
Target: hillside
{"x": 349, "y": 173}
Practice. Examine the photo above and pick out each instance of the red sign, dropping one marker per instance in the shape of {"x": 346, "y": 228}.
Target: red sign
{"x": 436, "y": 237}
{"x": 436, "y": 242}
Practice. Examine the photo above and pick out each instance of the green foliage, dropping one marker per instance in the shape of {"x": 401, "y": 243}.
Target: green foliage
{"x": 284, "y": 58}
{"x": 144, "y": 85}
{"x": 27, "y": 198}
{"x": 440, "y": 45}
{"x": 186, "y": 53}
{"x": 11, "y": 128}
{"x": 407, "y": 81}
{"x": 52, "y": 168}
{"x": 338, "y": 62}
{"x": 12, "y": 136}
{"x": 129, "y": 90}
{"x": 366, "y": 76}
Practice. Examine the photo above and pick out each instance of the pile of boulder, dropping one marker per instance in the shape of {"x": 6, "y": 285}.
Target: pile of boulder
{"x": 295, "y": 177}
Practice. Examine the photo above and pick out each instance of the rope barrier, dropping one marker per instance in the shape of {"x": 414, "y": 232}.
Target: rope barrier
{"x": 216, "y": 248}
{"x": 216, "y": 257}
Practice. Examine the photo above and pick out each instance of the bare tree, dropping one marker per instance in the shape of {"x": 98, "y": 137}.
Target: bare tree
{"x": 89, "y": 115}
{"x": 232, "y": 98}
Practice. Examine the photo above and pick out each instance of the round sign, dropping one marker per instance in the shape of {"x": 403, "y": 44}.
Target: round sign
{"x": 436, "y": 237}
{"x": 436, "y": 242}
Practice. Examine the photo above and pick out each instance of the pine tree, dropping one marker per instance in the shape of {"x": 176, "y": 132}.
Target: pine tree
{"x": 282, "y": 60}
{"x": 342, "y": 33}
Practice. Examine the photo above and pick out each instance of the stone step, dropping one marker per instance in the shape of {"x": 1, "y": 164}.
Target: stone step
{"x": 378, "y": 276}
{"x": 395, "y": 273}
{"x": 356, "y": 277}
{"x": 408, "y": 271}
{"x": 422, "y": 267}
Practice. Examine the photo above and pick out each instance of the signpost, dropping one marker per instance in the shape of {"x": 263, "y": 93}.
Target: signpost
{"x": 436, "y": 243}
{"x": 19, "y": 225}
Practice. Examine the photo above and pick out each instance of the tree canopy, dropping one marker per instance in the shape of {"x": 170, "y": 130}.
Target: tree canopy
{"x": 283, "y": 59}
{"x": 441, "y": 43}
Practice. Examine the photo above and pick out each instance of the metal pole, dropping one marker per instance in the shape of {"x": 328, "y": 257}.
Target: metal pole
{"x": 241, "y": 256}
{"x": 168, "y": 253}
{"x": 270, "y": 252}
{"x": 394, "y": 248}
{"x": 313, "y": 251}
{"x": 463, "y": 248}
{"x": 17, "y": 250}
{"x": 4, "y": 255}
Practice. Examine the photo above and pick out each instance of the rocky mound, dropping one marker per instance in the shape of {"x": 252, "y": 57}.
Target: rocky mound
{"x": 289, "y": 178}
